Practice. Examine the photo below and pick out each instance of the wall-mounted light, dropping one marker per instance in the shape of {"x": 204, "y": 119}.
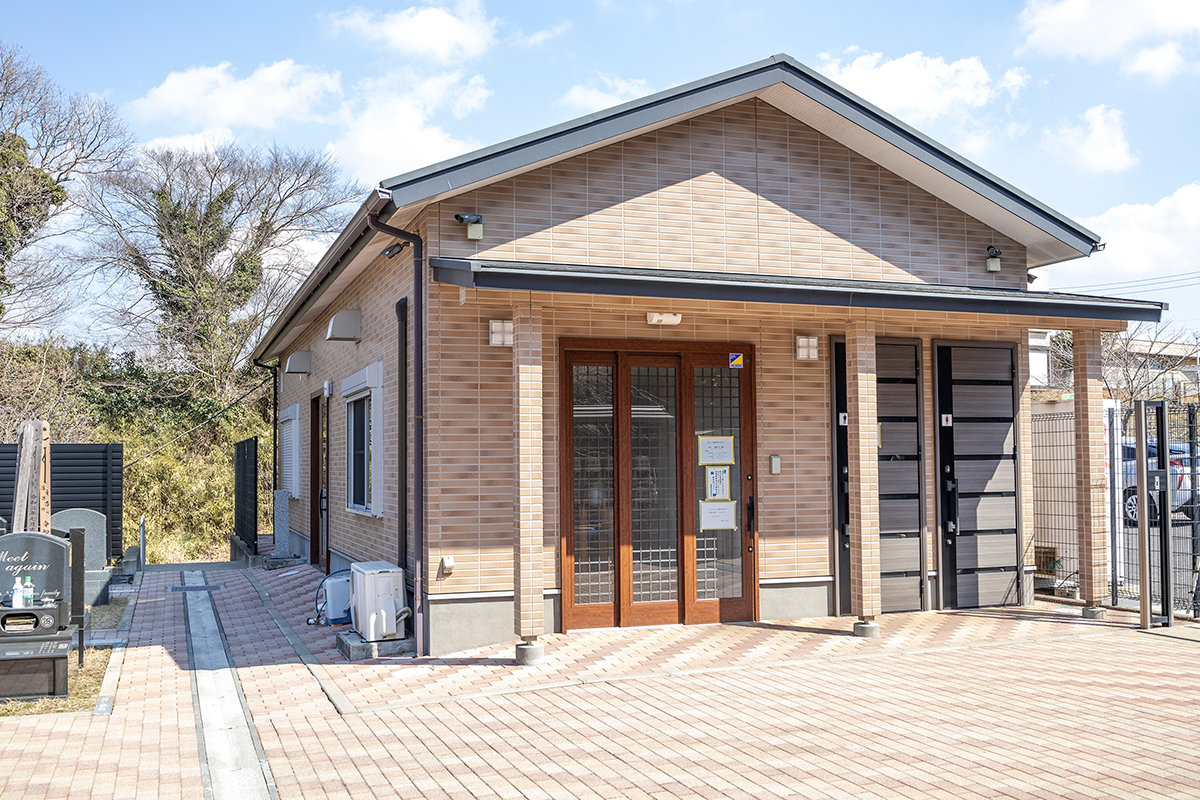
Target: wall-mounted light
{"x": 806, "y": 348}
{"x": 500, "y": 333}
{"x": 445, "y": 567}
{"x": 654, "y": 318}
{"x": 474, "y": 223}
{"x": 993, "y": 261}
{"x": 393, "y": 250}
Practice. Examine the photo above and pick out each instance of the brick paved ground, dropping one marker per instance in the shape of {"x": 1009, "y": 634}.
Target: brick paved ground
{"x": 1015, "y": 703}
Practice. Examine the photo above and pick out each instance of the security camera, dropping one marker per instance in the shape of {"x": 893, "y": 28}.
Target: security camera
{"x": 993, "y": 251}
{"x": 468, "y": 219}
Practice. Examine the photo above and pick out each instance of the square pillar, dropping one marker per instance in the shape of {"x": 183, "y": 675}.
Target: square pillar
{"x": 863, "y": 435}
{"x": 528, "y": 607}
{"x": 1090, "y": 478}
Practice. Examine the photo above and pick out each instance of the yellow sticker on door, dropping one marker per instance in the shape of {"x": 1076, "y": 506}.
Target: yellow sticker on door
{"x": 735, "y": 360}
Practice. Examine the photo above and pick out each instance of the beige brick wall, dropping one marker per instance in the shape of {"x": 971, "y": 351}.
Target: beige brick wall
{"x": 744, "y": 189}
{"x": 374, "y": 293}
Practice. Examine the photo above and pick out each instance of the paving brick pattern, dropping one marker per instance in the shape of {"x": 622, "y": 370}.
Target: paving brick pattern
{"x": 146, "y": 748}
{"x": 1012, "y": 703}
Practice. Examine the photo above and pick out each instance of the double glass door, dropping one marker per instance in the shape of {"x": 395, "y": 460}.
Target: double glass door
{"x": 658, "y": 498}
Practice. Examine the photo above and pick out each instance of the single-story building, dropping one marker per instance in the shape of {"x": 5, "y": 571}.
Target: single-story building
{"x": 746, "y": 349}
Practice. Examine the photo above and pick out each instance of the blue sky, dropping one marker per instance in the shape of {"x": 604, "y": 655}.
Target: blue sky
{"x": 1088, "y": 105}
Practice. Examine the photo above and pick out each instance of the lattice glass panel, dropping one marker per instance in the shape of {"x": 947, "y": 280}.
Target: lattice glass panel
{"x": 594, "y": 484}
{"x": 719, "y": 551}
{"x": 654, "y": 484}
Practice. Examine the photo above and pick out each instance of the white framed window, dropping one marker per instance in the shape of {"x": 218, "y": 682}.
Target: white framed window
{"x": 363, "y": 393}
{"x": 289, "y": 449}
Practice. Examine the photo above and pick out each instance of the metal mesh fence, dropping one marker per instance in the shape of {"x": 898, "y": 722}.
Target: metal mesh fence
{"x": 1055, "y": 541}
{"x": 1056, "y": 548}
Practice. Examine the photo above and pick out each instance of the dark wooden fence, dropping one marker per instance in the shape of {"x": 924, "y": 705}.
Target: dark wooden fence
{"x": 81, "y": 476}
{"x": 245, "y": 492}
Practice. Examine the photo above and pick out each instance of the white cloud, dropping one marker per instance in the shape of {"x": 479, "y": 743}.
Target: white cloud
{"x": 593, "y": 98}
{"x": 1101, "y": 147}
{"x": 212, "y": 97}
{"x": 194, "y": 142}
{"x": 430, "y": 31}
{"x": 1144, "y": 242}
{"x": 1160, "y": 63}
{"x": 920, "y": 89}
{"x": 387, "y": 127}
{"x": 1134, "y": 32}
{"x": 542, "y": 36}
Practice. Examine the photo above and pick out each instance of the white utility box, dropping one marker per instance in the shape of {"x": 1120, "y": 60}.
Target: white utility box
{"x": 378, "y": 598}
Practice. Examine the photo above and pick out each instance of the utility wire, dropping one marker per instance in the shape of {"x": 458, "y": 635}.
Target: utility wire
{"x": 1166, "y": 279}
{"x": 201, "y": 425}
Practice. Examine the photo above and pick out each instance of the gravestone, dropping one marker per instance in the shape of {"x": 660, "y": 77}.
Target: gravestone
{"x": 45, "y": 559}
{"x": 35, "y": 640}
{"x": 97, "y": 574}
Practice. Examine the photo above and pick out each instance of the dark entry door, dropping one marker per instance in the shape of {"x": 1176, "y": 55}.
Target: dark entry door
{"x": 898, "y": 404}
{"x": 977, "y": 476}
{"x": 841, "y": 479}
{"x": 659, "y": 500}
{"x": 899, "y": 448}
{"x": 318, "y": 487}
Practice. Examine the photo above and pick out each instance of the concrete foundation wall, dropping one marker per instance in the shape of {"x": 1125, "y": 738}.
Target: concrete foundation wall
{"x": 796, "y": 601}
{"x": 472, "y": 621}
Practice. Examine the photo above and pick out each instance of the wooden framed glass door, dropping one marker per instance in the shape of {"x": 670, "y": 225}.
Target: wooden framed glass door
{"x": 658, "y": 500}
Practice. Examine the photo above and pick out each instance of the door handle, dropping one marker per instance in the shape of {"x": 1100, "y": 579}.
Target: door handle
{"x": 750, "y": 515}
{"x": 951, "y": 506}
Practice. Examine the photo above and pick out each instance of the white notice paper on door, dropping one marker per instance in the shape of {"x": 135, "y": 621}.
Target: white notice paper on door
{"x": 718, "y": 516}
{"x": 718, "y": 483}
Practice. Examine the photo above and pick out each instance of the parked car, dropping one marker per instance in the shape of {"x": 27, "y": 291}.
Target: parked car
{"x": 1180, "y": 471}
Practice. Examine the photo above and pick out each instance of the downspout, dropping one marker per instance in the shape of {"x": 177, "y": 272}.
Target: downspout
{"x": 402, "y": 448}
{"x": 419, "y": 611}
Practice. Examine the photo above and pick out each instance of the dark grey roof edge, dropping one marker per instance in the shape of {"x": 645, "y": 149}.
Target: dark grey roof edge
{"x": 350, "y": 242}
{"x": 489, "y": 162}
{"x": 680, "y": 284}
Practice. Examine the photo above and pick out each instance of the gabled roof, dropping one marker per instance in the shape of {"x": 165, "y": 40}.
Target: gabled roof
{"x": 796, "y": 90}
{"x": 1047, "y": 235}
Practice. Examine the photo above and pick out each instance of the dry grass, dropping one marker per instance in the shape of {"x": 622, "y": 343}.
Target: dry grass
{"x": 83, "y": 685}
{"x": 107, "y": 617}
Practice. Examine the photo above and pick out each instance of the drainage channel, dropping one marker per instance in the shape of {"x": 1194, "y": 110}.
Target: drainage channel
{"x": 232, "y": 759}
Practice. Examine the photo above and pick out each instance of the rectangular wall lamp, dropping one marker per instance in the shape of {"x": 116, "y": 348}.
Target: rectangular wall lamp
{"x": 653, "y": 318}
{"x": 806, "y": 348}
{"x": 500, "y": 333}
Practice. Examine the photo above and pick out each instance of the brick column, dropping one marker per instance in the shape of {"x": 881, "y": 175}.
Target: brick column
{"x": 528, "y": 605}
{"x": 1092, "y": 521}
{"x": 864, "y": 475}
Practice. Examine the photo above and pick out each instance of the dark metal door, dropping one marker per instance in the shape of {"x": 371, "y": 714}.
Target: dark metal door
{"x": 841, "y": 479}
{"x": 318, "y": 486}
{"x": 976, "y": 476}
{"x": 898, "y": 404}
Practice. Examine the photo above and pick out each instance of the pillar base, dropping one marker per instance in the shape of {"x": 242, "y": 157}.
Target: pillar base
{"x": 530, "y": 654}
{"x": 1095, "y": 612}
{"x": 867, "y": 630}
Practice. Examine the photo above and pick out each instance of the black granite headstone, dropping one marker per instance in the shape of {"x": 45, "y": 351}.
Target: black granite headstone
{"x": 46, "y": 560}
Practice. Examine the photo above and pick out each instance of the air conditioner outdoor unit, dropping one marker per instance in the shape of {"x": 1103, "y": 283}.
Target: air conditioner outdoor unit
{"x": 377, "y": 589}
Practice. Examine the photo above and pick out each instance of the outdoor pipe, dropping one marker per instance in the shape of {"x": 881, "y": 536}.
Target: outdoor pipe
{"x": 402, "y": 448}
{"x": 418, "y": 526}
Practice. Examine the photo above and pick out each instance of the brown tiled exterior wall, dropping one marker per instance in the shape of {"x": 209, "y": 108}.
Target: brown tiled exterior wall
{"x": 744, "y": 189}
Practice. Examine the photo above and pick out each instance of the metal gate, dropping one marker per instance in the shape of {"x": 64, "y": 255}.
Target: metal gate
{"x": 1183, "y": 460}
{"x": 976, "y": 470}
{"x": 245, "y": 492}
